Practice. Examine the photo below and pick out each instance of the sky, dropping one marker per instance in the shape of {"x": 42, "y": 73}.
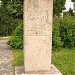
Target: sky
{"x": 69, "y": 4}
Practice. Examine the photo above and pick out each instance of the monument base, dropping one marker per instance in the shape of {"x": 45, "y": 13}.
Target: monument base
{"x": 53, "y": 71}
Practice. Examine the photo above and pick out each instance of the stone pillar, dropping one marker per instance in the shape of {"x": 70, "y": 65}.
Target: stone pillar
{"x": 37, "y": 35}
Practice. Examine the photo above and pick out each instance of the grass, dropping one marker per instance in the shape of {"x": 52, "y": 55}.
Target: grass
{"x": 63, "y": 59}
{"x": 4, "y": 38}
{"x": 18, "y": 58}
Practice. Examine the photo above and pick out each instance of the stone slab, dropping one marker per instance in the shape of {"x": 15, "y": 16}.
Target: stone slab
{"x": 53, "y": 71}
{"x": 37, "y": 21}
{"x": 37, "y": 53}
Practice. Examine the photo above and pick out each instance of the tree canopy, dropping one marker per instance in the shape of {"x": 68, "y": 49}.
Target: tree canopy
{"x": 58, "y": 6}
{"x": 74, "y": 3}
{"x": 73, "y": 0}
{"x": 10, "y": 13}
{"x": 12, "y": 10}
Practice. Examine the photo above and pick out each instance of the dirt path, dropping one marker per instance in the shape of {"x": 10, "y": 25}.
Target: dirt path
{"x": 5, "y": 59}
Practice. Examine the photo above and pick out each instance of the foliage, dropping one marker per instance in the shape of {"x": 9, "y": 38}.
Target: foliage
{"x": 16, "y": 41}
{"x": 18, "y": 58}
{"x": 73, "y": 0}
{"x": 15, "y": 9}
{"x": 70, "y": 12}
{"x": 58, "y": 6}
{"x": 56, "y": 40}
{"x": 63, "y": 29}
{"x": 64, "y": 60}
{"x": 64, "y": 32}
{"x": 7, "y": 26}
{"x": 10, "y": 13}
{"x": 74, "y": 4}
{"x": 67, "y": 31}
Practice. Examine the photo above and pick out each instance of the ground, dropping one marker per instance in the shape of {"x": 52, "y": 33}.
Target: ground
{"x": 63, "y": 59}
{"x": 5, "y": 59}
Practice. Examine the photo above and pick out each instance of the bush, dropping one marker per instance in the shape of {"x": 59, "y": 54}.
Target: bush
{"x": 16, "y": 41}
{"x": 63, "y": 33}
{"x": 56, "y": 40}
{"x": 67, "y": 31}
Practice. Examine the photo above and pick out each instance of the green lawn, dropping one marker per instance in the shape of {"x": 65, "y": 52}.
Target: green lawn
{"x": 18, "y": 58}
{"x": 63, "y": 59}
{"x": 4, "y": 38}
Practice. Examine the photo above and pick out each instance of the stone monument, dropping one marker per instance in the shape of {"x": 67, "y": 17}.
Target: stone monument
{"x": 38, "y": 37}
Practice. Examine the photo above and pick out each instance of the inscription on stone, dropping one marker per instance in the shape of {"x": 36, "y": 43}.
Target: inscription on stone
{"x": 38, "y": 21}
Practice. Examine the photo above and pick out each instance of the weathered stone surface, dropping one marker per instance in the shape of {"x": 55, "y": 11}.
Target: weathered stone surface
{"x": 52, "y": 71}
{"x": 37, "y": 35}
{"x": 37, "y": 53}
{"x": 38, "y": 17}
{"x": 5, "y": 59}
{"x": 38, "y": 38}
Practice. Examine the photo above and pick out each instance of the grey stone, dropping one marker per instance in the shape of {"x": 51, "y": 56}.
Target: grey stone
{"x": 5, "y": 59}
{"x": 37, "y": 21}
{"x": 53, "y": 71}
{"x": 37, "y": 34}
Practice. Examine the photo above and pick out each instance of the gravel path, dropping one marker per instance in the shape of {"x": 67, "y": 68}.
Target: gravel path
{"x": 5, "y": 59}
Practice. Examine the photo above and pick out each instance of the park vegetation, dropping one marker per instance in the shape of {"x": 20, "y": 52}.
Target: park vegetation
{"x": 11, "y": 12}
{"x": 16, "y": 41}
{"x": 63, "y": 33}
{"x": 11, "y": 24}
{"x": 11, "y": 17}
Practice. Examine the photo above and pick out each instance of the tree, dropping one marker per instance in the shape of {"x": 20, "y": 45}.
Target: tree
{"x": 74, "y": 3}
{"x": 58, "y": 6}
{"x": 71, "y": 12}
{"x": 7, "y": 22}
{"x": 73, "y": 0}
{"x": 15, "y": 8}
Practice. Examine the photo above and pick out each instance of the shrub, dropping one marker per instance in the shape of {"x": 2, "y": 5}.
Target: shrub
{"x": 67, "y": 31}
{"x": 56, "y": 40}
{"x": 16, "y": 41}
{"x": 63, "y": 33}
